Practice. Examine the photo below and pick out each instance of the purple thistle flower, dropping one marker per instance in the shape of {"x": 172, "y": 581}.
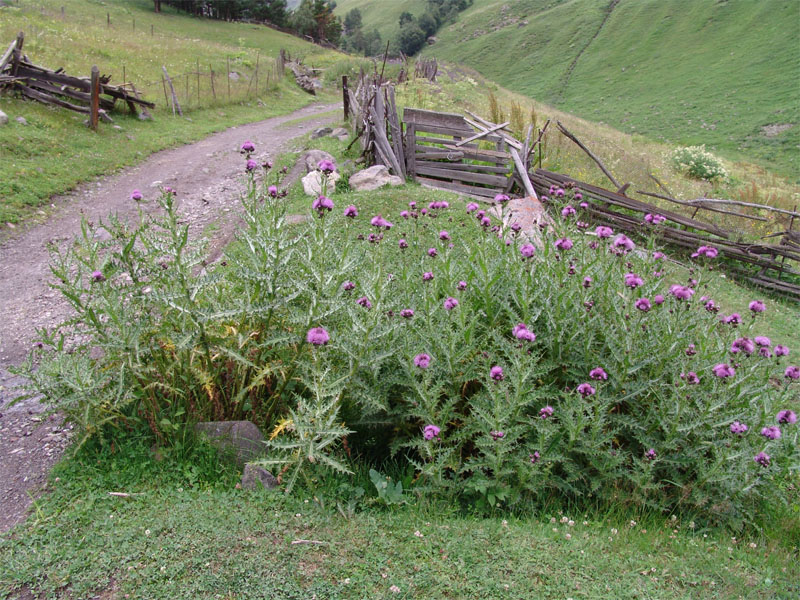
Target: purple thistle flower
{"x": 462, "y": 285}
{"x": 422, "y": 361}
{"x": 136, "y": 195}
{"x": 762, "y": 341}
{"x": 732, "y": 319}
{"x": 480, "y": 214}
{"x": 707, "y": 251}
{"x": 496, "y": 373}
{"x": 623, "y": 243}
{"x": 412, "y": 205}
{"x": 516, "y": 227}
{"x": 497, "y": 435}
{"x": 658, "y": 299}
{"x": 691, "y": 378}
{"x": 762, "y": 458}
{"x": 351, "y": 212}
{"x": 757, "y": 306}
{"x": 792, "y": 373}
{"x": 650, "y": 454}
{"x": 578, "y": 195}
{"x": 521, "y": 332}
{"x": 486, "y": 221}
{"x": 738, "y": 428}
{"x": 364, "y": 301}
{"x": 272, "y": 191}
{"x": 632, "y": 280}
{"x": 432, "y": 252}
{"x": 786, "y": 417}
{"x": 248, "y": 147}
{"x": 500, "y": 198}
{"x": 450, "y": 303}
{"x": 534, "y": 457}
{"x": 250, "y": 165}
{"x": 317, "y": 336}
{"x": 585, "y": 390}
{"x": 430, "y": 432}
{"x": 527, "y": 250}
{"x": 598, "y": 374}
{"x": 773, "y": 432}
{"x": 427, "y": 276}
{"x": 559, "y": 193}
{"x": 266, "y": 165}
{"x": 546, "y": 412}
{"x": 659, "y": 255}
{"x": 98, "y": 276}
{"x": 643, "y": 304}
{"x": 444, "y": 236}
{"x": 348, "y": 285}
{"x": 681, "y": 292}
{"x": 472, "y": 207}
{"x": 723, "y": 370}
{"x": 406, "y": 313}
{"x": 711, "y": 306}
{"x": 743, "y": 344}
{"x": 587, "y": 282}
{"x": 765, "y": 352}
{"x": 567, "y": 211}
{"x": 583, "y": 205}
{"x": 690, "y": 350}
{"x": 604, "y": 232}
{"x": 563, "y": 243}
{"x": 652, "y": 219}
{"x": 326, "y": 166}
{"x": 402, "y": 243}
{"x": 321, "y": 204}
{"x": 781, "y": 350}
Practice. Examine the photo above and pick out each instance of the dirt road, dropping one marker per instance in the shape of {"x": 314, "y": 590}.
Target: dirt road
{"x": 208, "y": 176}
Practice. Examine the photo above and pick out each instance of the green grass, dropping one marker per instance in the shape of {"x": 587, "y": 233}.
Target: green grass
{"x": 682, "y": 72}
{"x": 190, "y": 534}
{"x": 55, "y": 151}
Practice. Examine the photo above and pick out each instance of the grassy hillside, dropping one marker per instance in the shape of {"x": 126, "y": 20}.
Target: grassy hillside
{"x": 383, "y": 16}
{"x": 722, "y": 74}
{"x": 54, "y": 151}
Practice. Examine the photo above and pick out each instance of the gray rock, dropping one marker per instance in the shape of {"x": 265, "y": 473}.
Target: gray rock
{"x": 528, "y": 213}
{"x": 3, "y": 118}
{"x": 21, "y": 120}
{"x": 313, "y": 157}
{"x": 243, "y": 437}
{"x": 257, "y": 478}
{"x": 321, "y": 132}
{"x": 341, "y": 134}
{"x": 233, "y": 75}
{"x": 312, "y": 183}
{"x": 373, "y": 178}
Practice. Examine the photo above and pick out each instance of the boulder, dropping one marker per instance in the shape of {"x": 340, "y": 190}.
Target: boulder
{"x": 242, "y": 437}
{"x": 373, "y": 178}
{"x": 312, "y": 183}
{"x": 313, "y": 157}
{"x": 21, "y": 120}
{"x": 529, "y": 213}
{"x": 341, "y": 134}
{"x": 321, "y": 132}
{"x": 3, "y": 118}
{"x": 233, "y": 76}
{"x": 257, "y": 478}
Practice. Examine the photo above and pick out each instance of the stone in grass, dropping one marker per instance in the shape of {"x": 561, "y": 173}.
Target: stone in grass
{"x": 321, "y": 132}
{"x": 242, "y": 437}
{"x": 312, "y": 183}
{"x": 313, "y": 158}
{"x": 341, "y": 134}
{"x": 257, "y": 478}
{"x": 21, "y": 120}
{"x": 373, "y": 178}
{"x": 3, "y": 118}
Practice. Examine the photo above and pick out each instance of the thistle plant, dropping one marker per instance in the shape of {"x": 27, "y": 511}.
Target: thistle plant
{"x": 503, "y": 370}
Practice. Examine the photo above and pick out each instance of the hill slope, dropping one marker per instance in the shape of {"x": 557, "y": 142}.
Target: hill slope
{"x": 685, "y": 71}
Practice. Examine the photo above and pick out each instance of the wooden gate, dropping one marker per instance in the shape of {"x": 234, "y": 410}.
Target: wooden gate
{"x": 445, "y": 150}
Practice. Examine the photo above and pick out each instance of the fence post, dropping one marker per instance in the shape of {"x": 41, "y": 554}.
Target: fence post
{"x": 108, "y": 19}
{"x": 198, "y": 82}
{"x": 228, "y": 77}
{"x": 345, "y": 98}
{"x": 95, "y": 98}
{"x": 213, "y": 91}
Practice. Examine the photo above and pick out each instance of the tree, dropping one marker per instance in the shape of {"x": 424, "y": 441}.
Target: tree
{"x": 428, "y": 24}
{"x": 352, "y": 21}
{"x": 406, "y": 17}
{"x": 157, "y": 5}
{"x": 411, "y": 39}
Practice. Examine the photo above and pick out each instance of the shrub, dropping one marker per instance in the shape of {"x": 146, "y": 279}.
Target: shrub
{"x": 503, "y": 372}
{"x": 696, "y": 162}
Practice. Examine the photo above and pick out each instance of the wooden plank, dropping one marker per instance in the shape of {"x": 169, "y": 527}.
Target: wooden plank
{"x": 444, "y": 142}
{"x": 591, "y": 154}
{"x": 94, "y": 105}
{"x": 69, "y": 93}
{"x": 434, "y": 155}
{"x": 523, "y": 174}
{"x": 49, "y": 99}
{"x": 456, "y": 187}
{"x": 7, "y": 54}
{"x": 411, "y": 157}
{"x": 481, "y": 152}
{"x": 482, "y": 133}
{"x": 420, "y": 116}
{"x": 76, "y": 82}
{"x": 175, "y": 104}
{"x": 716, "y": 210}
{"x": 463, "y": 166}
{"x": 395, "y": 129}
{"x": 461, "y": 133}
{"x": 465, "y": 176}
{"x": 483, "y": 122}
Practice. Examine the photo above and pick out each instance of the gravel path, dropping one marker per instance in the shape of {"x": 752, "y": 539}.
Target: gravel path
{"x": 208, "y": 178}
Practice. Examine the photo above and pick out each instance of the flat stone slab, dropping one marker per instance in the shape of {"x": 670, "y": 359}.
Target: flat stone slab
{"x": 243, "y": 437}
